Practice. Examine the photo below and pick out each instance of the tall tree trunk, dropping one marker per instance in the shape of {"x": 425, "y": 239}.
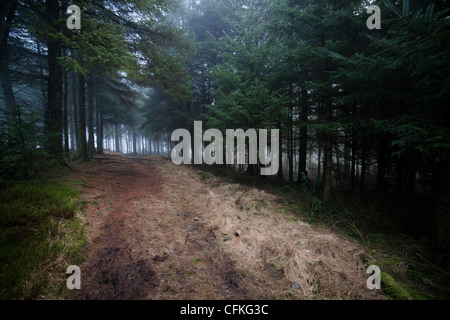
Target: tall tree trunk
{"x": 99, "y": 126}
{"x": 82, "y": 144}
{"x": 383, "y": 144}
{"x": 65, "y": 115}
{"x": 290, "y": 148}
{"x": 336, "y": 147}
{"x": 54, "y": 107}
{"x": 280, "y": 175}
{"x": 8, "y": 93}
{"x": 117, "y": 136}
{"x": 7, "y": 16}
{"x": 168, "y": 146}
{"x": 303, "y": 134}
{"x": 328, "y": 161}
{"x": 43, "y": 84}
{"x": 353, "y": 163}
{"x": 149, "y": 145}
{"x": 291, "y": 153}
{"x": 91, "y": 145}
{"x": 75, "y": 110}
{"x": 362, "y": 179}
{"x": 346, "y": 158}
{"x": 319, "y": 156}
{"x": 134, "y": 142}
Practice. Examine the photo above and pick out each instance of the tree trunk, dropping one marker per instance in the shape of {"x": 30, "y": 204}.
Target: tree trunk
{"x": 91, "y": 145}
{"x": 353, "y": 163}
{"x": 346, "y": 158}
{"x": 291, "y": 154}
{"x": 149, "y": 146}
{"x": 8, "y": 92}
{"x": 328, "y": 161}
{"x": 362, "y": 179}
{"x": 280, "y": 175}
{"x": 54, "y": 107}
{"x": 82, "y": 144}
{"x": 303, "y": 135}
{"x": 7, "y": 15}
{"x": 134, "y": 142}
{"x": 117, "y": 136}
{"x": 75, "y": 110}
{"x": 319, "y": 156}
{"x": 65, "y": 115}
{"x": 290, "y": 146}
{"x": 382, "y": 165}
{"x": 99, "y": 126}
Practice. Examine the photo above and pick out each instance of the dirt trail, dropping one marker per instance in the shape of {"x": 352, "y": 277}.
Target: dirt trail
{"x": 160, "y": 231}
{"x": 145, "y": 240}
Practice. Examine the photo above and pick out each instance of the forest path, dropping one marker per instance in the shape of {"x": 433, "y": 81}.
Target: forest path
{"x": 160, "y": 231}
{"x": 145, "y": 239}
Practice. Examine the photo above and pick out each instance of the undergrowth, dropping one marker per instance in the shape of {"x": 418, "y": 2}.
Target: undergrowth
{"x": 40, "y": 235}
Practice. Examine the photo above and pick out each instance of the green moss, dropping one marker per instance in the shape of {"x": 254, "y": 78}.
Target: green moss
{"x": 397, "y": 291}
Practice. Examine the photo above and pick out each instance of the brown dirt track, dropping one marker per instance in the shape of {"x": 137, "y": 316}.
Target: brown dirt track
{"x": 160, "y": 231}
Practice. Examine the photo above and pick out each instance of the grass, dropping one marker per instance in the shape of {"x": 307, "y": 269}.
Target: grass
{"x": 378, "y": 225}
{"x": 40, "y": 235}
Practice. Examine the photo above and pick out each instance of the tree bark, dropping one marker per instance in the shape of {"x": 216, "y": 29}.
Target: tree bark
{"x": 290, "y": 147}
{"x": 382, "y": 165}
{"x": 353, "y": 162}
{"x": 134, "y": 142}
{"x": 303, "y": 134}
{"x": 75, "y": 110}
{"x": 82, "y": 144}
{"x": 319, "y": 157}
{"x": 91, "y": 145}
{"x": 65, "y": 115}
{"x": 346, "y": 158}
{"x": 99, "y": 126}
{"x": 8, "y": 93}
{"x": 280, "y": 175}
{"x": 117, "y": 136}
{"x": 7, "y": 15}
{"x": 54, "y": 107}
{"x": 362, "y": 178}
{"x": 328, "y": 161}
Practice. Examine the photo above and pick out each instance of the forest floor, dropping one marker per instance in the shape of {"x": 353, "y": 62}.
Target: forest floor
{"x": 159, "y": 231}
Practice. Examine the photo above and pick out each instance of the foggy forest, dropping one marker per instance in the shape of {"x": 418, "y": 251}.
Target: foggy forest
{"x": 92, "y": 92}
